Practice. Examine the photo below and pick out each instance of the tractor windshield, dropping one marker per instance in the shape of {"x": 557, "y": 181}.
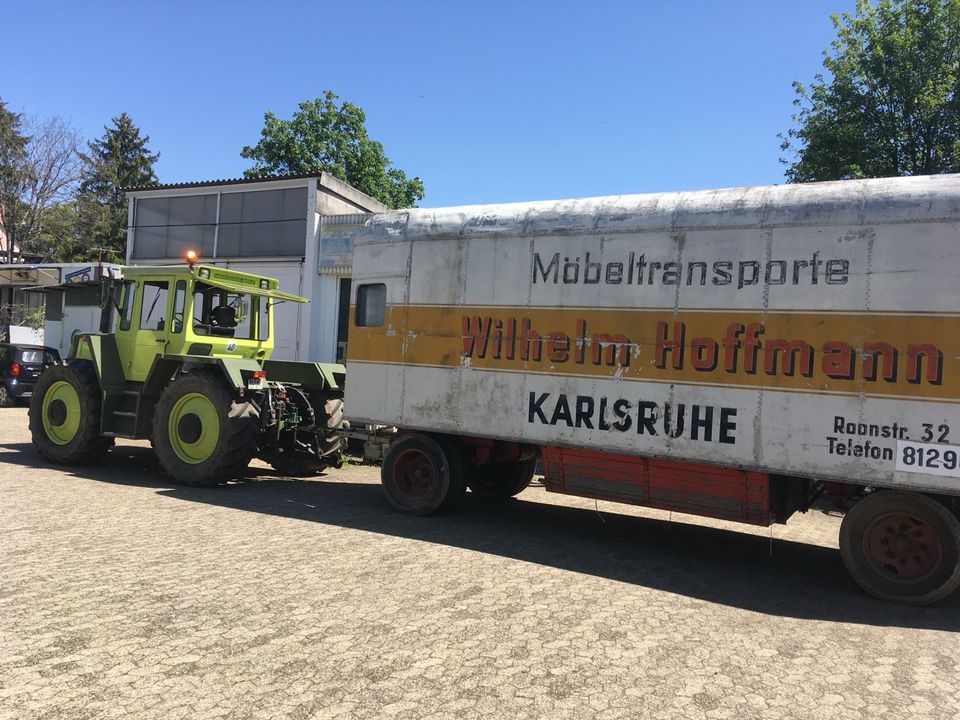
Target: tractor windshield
{"x": 226, "y": 313}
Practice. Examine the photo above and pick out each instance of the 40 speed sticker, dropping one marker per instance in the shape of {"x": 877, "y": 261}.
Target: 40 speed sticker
{"x": 930, "y": 459}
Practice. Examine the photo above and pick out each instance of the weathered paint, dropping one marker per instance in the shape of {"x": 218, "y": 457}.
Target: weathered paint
{"x": 800, "y": 329}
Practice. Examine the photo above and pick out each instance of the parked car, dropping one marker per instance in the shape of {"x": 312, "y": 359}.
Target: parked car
{"x": 20, "y": 366}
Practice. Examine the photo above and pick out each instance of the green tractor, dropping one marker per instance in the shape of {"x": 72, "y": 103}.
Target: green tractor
{"x": 183, "y": 359}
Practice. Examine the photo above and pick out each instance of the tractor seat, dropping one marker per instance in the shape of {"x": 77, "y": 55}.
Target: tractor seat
{"x": 223, "y": 319}
{"x": 223, "y": 316}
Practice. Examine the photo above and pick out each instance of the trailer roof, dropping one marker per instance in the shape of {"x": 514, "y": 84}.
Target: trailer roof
{"x": 849, "y": 202}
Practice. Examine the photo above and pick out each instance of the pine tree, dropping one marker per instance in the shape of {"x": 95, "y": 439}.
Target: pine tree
{"x": 117, "y": 161}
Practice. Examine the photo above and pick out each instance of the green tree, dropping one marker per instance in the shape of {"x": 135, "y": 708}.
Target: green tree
{"x": 59, "y": 240}
{"x": 13, "y": 158}
{"x": 38, "y": 168}
{"x": 323, "y": 136}
{"x": 889, "y": 103}
{"x": 117, "y": 161}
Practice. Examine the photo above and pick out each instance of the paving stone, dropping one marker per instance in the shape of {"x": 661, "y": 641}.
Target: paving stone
{"x": 123, "y": 595}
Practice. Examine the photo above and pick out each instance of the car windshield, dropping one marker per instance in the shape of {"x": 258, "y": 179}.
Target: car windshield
{"x": 37, "y": 356}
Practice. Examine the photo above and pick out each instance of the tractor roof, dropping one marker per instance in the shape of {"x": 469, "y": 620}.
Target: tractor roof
{"x": 232, "y": 280}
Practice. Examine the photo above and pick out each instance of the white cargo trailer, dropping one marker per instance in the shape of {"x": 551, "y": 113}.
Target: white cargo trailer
{"x": 734, "y": 353}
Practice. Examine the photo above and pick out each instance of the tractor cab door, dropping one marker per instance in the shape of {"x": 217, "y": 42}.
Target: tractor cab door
{"x": 146, "y": 324}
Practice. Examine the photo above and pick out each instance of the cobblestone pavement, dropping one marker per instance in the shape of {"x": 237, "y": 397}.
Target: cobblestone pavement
{"x": 125, "y": 596}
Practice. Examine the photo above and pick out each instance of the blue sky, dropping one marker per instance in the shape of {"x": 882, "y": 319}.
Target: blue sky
{"x": 486, "y": 102}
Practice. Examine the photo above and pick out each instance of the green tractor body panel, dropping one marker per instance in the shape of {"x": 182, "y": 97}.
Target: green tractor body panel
{"x": 312, "y": 376}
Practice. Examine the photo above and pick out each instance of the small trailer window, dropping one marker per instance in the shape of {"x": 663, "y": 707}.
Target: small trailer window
{"x": 371, "y": 305}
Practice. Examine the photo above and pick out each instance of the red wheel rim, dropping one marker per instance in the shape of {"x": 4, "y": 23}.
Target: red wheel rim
{"x": 414, "y": 474}
{"x": 903, "y": 547}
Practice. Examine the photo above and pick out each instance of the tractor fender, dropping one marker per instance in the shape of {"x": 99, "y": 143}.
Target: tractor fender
{"x": 235, "y": 371}
{"x": 310, "y": 376}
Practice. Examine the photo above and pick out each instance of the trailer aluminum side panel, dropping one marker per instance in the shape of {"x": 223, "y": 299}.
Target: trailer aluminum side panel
{"x": 811, "y": 330}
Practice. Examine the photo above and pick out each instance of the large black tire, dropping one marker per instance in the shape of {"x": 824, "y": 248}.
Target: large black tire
{"x": 201, "y": 435}
{"x": 6, "y": 397}
{"x": 300, "y": 464}
{"x": 70, "y": 396}
{"x": 499, "y": 481}
{"x": 902, "y": 546}
{"x": 422, "y": 475}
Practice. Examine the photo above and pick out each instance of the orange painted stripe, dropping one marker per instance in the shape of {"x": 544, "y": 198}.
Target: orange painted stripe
{"x": 434, "y": 336}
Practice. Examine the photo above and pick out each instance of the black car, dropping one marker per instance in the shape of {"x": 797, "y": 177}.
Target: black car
{"x": 20, "y": 366}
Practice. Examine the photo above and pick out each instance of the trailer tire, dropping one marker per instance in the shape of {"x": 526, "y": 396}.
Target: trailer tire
{"x": 201, "y": 435}
{"x": 902, "y": 546}
{"x": 499, "y": 481}
{"x": 65, "y": 414}
{"x": 422, "y": 475}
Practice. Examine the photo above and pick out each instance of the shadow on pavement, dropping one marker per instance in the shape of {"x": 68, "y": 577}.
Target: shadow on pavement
{"x": 721, "y": 566}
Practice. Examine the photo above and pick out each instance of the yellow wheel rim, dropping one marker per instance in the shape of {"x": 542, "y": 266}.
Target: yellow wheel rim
{"x": 193, "y": 428}
{"x": 61, "y": 412}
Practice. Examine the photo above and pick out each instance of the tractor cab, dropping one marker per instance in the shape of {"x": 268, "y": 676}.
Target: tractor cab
{"x": 198, "y": 310}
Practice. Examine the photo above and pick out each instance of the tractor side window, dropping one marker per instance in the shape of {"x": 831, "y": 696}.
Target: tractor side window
{"x": 179, "y": 298}
{"x": 153, "y": 305}
{"x": 126, "y": 309}
{"x": 371, "y": 305}
{"x": 263, "y": 318}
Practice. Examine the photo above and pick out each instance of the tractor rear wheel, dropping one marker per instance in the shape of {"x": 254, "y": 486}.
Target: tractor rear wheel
{"x": 499, "y": 481}
{"x": 329, "y": 420}
{"x": 65, "y": 414}
{"x": 201, "y": 435}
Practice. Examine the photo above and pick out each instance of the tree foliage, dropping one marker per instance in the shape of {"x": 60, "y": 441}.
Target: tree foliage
{"x": 890, "y": 101}
{"x": 323, "y": 136}
{"x": 38, "y": 168}
{"x": 117, "y": 161}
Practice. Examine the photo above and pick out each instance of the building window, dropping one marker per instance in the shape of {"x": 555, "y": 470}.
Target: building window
{"x": 263, "y": 223}
{"x": 255, "y": 223}
{"x": 168, "y": 227}
{"x": 371, "y": 305}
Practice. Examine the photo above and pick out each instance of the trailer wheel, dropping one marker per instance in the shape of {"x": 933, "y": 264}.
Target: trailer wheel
{"x": 499, "y": 481}
{"x": 902, "y": 546}
{"x": 65, "y": 414}
{"x": 200, "y": 434}
{"x": 422, "y": 475}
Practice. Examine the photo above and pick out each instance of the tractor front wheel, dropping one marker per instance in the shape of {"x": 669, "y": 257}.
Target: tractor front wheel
{"x": 65, "y": 414}
{"x": 201, "y": 435}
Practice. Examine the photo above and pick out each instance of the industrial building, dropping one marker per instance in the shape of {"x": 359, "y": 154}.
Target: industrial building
{"x": 295, "y": 228}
